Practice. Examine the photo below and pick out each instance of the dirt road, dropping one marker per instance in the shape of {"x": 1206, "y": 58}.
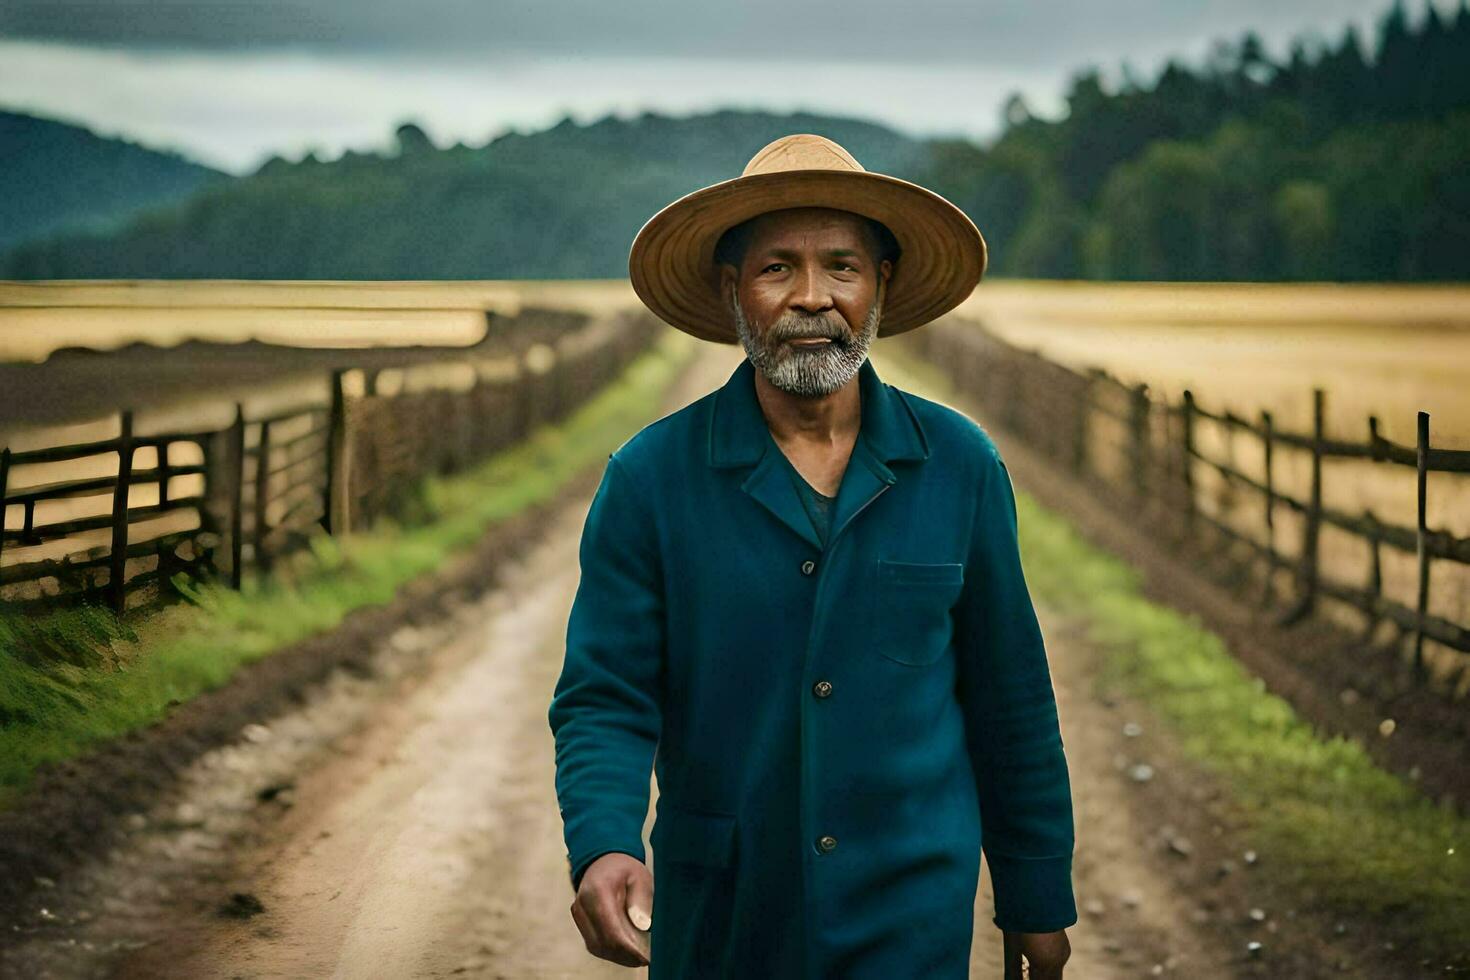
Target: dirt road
{"x": 404, "y": 824}
{"x": 430, "y": 845}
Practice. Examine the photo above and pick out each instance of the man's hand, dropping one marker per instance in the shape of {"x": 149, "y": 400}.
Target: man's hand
{"x": 614, "y": 909}
{"x": 1045, "y": 952}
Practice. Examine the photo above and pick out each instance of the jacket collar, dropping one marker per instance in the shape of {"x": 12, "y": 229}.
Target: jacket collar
{"x": 739, "y": 436}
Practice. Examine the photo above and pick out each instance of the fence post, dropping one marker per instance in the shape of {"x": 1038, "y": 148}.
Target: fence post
{"x": 237, "y": 494}
{"x": 163, "y": 470}
{"x": 1138, "y": 407}
{"x": 1186, "y": 462}
{"x": 1231, "y": 468}
{"x": 1268, "y": 442}
{"x": 118, "y": 557}
{"x": 4, "y": 478}
{"x": 1421, "y": 608}
{"x": 1307, "y": 571}
{"x": 333, "y": 515}
{"x": 1375, "y": 571}
{"x": 262, "y": 492}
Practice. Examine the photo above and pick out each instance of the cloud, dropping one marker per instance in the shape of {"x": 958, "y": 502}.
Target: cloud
{"x": 231, "y": 82}
{"x": 233, "y": 110}
{"x": 995, "y": 33}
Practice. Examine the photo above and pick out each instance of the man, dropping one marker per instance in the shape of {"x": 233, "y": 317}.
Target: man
{"x": 802, "y": 606}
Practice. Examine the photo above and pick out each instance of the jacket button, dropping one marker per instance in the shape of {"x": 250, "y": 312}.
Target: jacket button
{"x": 822, "y": 689}
{"x": 827, "y": 844}
{"x": 808, "y": 566}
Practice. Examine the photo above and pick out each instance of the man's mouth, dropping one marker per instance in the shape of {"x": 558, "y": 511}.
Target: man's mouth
{"x": 809, "y": 341}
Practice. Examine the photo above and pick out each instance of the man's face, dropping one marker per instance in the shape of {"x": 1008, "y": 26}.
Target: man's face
{"x": 806, "y": 299}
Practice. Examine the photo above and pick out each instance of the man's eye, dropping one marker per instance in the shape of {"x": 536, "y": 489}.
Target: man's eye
{"x": 774, "y": 265}
{"x": 844, "y": 267}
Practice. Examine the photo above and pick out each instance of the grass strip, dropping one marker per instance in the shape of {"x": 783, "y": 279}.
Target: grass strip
{"x": 1337, "y": 827}
{"x": 75, "y": 677}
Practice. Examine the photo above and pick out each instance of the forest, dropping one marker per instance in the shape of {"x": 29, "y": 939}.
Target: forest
{"x": 1344, "y": 160}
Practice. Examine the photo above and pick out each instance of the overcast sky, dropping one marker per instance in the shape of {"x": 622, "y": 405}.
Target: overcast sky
{"x": 231, "y": 82}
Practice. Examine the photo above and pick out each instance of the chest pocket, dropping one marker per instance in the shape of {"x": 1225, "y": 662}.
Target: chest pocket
{"x": 910, "y": 609}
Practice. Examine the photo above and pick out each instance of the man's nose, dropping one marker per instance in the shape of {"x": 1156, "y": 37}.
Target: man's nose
{"x": 810, "y": 293}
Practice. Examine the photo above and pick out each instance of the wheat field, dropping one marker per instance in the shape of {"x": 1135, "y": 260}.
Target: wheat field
{"x": 1389, "y": 351}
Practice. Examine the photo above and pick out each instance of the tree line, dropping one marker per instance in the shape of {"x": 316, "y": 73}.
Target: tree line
{"x": 1345, "y": 160}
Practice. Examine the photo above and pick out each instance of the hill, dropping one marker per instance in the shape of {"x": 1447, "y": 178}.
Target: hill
{"x": 63, "y": 178}
{"x": 561, "y": 203}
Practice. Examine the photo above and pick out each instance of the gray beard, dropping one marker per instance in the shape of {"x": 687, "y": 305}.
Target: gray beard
{"x": 808, "y": 373}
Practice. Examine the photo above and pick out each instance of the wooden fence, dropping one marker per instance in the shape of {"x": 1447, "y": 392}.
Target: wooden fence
{"x": 130, "y": 512}
{"x": 1147, "y": 455}
{"x": 143, "y": 558}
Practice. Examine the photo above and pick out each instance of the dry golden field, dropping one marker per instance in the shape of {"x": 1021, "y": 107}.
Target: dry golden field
{"x": 1385, "y": 350}
{"x": 76, "y": 399}
{"x": 1390, "y": 350}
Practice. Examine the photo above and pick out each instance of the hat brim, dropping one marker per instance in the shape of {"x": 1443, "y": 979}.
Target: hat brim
{"x": 672, "y": 262}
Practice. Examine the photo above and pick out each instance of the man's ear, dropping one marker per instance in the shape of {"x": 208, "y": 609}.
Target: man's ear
{"x": 729, "y": 276}
{"x": 885, "y": 271}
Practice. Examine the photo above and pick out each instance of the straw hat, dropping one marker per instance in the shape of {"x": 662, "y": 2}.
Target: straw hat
{"x": 672, "y": 263}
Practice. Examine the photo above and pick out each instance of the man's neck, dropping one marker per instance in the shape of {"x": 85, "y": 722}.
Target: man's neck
{"x": 829, "y": 421}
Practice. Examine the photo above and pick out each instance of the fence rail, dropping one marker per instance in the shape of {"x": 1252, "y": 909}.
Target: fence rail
{"x": 87, "y": 573}
{"x": 216, "y": 502}
{"x": 1156, "y": 456}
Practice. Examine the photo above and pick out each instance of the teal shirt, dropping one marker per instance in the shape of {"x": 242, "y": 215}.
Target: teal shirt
{"x": 818, "y": 505}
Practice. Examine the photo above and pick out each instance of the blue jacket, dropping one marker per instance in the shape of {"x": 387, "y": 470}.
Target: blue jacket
{"x": 828, "y": 727}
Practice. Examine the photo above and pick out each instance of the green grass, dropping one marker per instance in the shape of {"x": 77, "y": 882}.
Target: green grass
{"x": 74, "y": 678}
{"x": 1330, "y": 822}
